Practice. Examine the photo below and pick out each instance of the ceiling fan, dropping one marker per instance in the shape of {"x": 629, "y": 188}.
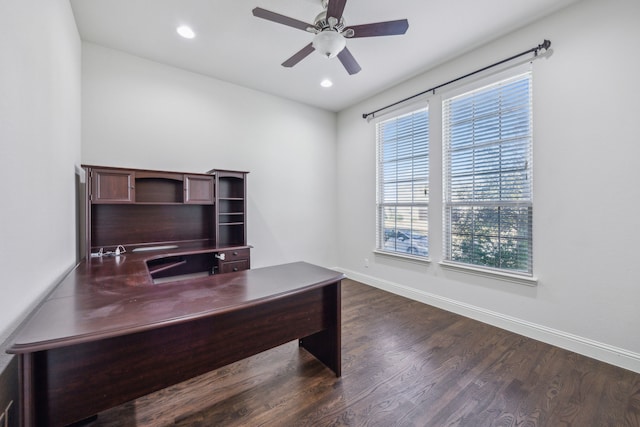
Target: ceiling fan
{"x": 331, "y": 33}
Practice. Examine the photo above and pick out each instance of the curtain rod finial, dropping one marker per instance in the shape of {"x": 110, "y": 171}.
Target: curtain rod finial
{"x": 546, "y": 44}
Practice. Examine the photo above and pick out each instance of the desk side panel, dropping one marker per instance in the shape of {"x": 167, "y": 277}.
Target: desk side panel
{"x": 326, "y": 344}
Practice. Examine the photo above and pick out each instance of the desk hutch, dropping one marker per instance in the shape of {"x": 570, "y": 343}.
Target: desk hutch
{"x": 201, "y": 216}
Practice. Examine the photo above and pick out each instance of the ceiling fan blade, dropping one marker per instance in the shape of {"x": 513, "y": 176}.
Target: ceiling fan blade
{"x": 349, "y": 62}
{"x": 299, "y": 56}
{"x": 388, "y": 28}
{"x": 280, "y": 19}
{"x": 336, "y": 8}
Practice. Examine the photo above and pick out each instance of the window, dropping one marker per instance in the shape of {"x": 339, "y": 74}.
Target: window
{"x": 487, "y": 136}
{"x": 403, "y": 184}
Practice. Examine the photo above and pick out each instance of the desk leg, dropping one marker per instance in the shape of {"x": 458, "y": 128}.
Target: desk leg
{"x": 326, "y": 344}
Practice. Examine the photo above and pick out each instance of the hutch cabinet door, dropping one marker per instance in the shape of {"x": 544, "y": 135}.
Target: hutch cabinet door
{"x": 112, "y": 186}
{"x": 198, "y": 189}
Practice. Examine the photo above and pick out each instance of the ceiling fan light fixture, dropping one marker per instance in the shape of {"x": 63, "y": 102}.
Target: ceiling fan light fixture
{"x": 329, "y": 43}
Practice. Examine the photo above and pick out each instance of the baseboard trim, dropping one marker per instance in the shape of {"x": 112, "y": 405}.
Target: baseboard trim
{"x": 585, "y": 346}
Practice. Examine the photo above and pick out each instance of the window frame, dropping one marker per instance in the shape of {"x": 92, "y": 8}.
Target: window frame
{"x": 417, "y": 238}
{"x": 526, "y": 204}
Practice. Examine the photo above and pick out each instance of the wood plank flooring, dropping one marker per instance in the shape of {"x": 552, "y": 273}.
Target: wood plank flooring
{"x": 404, "y": 364}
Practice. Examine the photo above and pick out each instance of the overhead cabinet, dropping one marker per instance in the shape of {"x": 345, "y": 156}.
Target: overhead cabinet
{"x": 112, "y": 186}
{"x": 198, "y": 189}
{"x": 131, "y": 186}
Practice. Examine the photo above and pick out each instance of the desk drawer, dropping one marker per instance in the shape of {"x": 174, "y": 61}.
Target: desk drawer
{"x": 234, "y": 260}
{"x": 234, "y": 254}
{"x": 231, "y": 266}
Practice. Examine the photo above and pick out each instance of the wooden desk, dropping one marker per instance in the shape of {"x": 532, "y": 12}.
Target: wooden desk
{"x": 105, "y": 335}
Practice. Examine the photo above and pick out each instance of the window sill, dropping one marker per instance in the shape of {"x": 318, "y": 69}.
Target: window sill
{"x": 499, "y": 275}
{"x": 403, "y": 257}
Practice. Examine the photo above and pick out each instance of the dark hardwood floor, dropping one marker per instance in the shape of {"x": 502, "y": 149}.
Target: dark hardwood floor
{"x": 404, "y": 364}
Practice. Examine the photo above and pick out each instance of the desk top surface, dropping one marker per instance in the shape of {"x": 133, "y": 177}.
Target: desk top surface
{"x": 114, "y": 296}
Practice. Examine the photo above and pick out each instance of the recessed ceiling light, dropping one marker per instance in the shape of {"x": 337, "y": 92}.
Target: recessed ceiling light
{"x": 326, "y": 83}
{"x": 186, "y": 32}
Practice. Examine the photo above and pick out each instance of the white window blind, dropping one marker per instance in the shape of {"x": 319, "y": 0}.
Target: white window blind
{"x": 487, "y": 137}
{"x": 403, "y": 184}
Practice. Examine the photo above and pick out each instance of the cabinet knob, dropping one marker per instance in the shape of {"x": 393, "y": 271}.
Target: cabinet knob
{"x": 235, "y": 253}
{"x": 235, "y": 268}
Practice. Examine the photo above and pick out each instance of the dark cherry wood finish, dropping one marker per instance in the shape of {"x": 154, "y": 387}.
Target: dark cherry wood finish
{"x": 106, "y": 335}
{"x": 137, "y": 225}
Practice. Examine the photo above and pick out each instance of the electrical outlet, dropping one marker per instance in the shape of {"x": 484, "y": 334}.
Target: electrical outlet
{"x": 366, "y": 263}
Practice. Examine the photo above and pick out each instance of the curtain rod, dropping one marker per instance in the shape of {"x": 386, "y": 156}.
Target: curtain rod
{"x": 544, "y": 45}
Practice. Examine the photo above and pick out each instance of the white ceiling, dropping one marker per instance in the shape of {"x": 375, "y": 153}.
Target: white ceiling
{"x": 234, "y": 46}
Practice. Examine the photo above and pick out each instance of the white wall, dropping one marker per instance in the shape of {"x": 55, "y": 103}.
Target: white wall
{"x": 138, "y": 113}
{"x": 40, "y": 144}
{"x": 586, "y": 189}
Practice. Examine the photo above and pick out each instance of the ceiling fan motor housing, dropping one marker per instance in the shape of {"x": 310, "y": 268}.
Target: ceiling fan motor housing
{"x": 322, "y": 23}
